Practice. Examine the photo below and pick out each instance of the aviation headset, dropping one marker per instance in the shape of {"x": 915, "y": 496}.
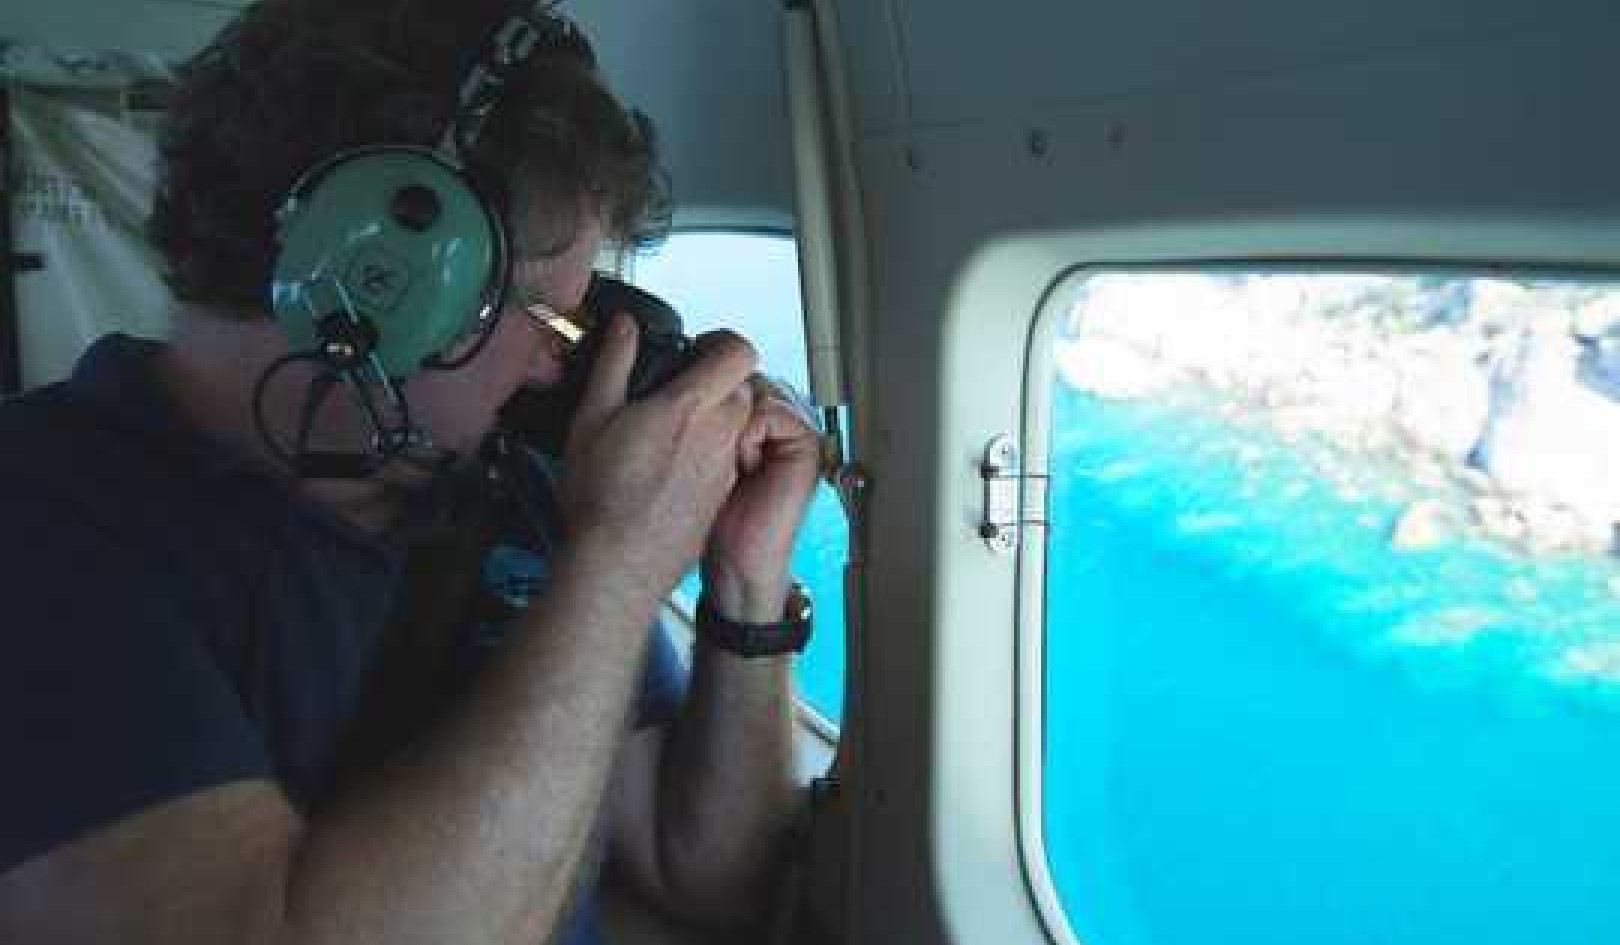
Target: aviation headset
{"x": 391, "y": 256}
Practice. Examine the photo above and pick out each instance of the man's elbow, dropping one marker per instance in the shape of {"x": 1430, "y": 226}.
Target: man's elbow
{"x": 722, "y": 886}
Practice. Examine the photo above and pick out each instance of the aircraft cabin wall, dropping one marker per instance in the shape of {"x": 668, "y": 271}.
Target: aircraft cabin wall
{"x": 1001, "y": 146}
{"x": 163, "y": 31}
{"x": 708, "y": 71}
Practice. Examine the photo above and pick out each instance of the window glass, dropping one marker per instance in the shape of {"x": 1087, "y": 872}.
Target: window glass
{"x": 1332, "y": 645}
{"x": 749, "y": 283}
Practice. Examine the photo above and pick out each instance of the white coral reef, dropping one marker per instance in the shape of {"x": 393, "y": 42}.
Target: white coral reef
{"x": 1500, "y": 399}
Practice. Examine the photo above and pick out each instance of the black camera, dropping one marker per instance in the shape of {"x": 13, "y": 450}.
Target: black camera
{"x": 540, "y": 418}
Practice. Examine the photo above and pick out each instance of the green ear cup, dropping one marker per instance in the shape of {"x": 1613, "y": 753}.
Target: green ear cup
{"x": 397, "y": 237}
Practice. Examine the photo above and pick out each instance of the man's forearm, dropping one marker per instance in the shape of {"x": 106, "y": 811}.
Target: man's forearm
{"x": 477, "y": 836}
{"x": 725, "y": 792}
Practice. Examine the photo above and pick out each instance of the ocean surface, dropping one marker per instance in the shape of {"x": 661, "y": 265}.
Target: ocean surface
{"x": 1264, "y": 726}
{"x": 818, "y": 561}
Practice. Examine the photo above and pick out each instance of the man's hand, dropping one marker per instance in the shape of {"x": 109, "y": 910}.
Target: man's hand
{"x": 745, "y": 564}
{"x": 648, "y": 477}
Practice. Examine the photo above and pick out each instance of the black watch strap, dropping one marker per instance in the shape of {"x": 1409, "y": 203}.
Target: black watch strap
{"x": 788, "y": 635}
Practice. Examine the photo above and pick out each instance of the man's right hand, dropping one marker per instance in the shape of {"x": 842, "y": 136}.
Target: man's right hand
{"x": 647, "y": 478}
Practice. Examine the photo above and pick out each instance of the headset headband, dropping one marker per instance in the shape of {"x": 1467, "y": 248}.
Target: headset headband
{"x": 511, "y": 44}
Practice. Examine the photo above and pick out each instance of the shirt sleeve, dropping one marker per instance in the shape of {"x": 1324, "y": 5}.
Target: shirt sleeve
{"x": 110, "y": 701}
{"x": 663, "y": 681}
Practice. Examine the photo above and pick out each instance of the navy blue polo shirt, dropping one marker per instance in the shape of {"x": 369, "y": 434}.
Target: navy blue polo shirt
{"x": 175, "y": 619}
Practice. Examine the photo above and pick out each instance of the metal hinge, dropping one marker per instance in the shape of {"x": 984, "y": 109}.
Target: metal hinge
{"x": 1013, "y": 498}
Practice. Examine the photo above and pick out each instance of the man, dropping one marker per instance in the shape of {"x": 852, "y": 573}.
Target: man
{"x": 191, "y": 630}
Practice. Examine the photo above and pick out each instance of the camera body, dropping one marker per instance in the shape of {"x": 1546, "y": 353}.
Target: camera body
{"x": 540, "y": 417}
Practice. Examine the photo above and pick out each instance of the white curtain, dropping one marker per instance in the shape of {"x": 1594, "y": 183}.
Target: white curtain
{"x": 83, "y": 181}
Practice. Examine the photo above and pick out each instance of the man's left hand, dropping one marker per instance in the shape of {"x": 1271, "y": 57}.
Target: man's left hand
{"x": 745, "y": 565}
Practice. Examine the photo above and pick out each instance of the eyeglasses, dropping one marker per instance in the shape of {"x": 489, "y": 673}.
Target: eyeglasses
{"x": 567, "y": 324}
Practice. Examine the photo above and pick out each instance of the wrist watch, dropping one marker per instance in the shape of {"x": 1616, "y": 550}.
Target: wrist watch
{"x": 788, "y": 635}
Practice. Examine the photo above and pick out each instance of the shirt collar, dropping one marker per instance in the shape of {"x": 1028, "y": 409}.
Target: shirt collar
{"x": 117, "y": 377}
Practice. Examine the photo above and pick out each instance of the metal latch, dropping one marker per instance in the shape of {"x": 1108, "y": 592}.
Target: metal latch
{"x": 1012, "y": 497}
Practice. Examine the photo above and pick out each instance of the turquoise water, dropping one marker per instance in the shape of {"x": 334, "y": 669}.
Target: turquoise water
{"x": 1263, "y": 727}
{"x": 818, "y": 561}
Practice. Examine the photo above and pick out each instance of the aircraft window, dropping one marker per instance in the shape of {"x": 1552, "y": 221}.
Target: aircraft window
{"x": 749, "y": 282}
{"x": 1332, "y": 606}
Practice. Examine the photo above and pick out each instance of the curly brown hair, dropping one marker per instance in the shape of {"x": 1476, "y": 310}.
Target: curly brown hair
{"x": 290, "y": 83}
